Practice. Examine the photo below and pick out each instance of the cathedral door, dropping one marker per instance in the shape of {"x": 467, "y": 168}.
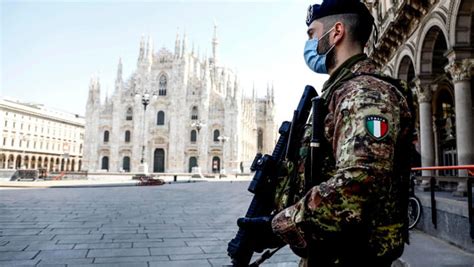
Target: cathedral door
{"x": 192, "y": 163}
{"x": 159, "y": 160}
{"x": 216, "y": 164}
{"x": 105, "y": 163}
{"x": 126, "y": 164}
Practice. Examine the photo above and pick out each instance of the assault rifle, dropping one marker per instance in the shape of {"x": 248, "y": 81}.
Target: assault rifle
{"x": 263, "y": 184}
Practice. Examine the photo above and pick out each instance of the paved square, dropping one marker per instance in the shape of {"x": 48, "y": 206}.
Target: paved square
{"x": 172, "y": 225}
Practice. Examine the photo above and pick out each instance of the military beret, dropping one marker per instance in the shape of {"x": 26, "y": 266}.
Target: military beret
{"x": 334, "y": 7}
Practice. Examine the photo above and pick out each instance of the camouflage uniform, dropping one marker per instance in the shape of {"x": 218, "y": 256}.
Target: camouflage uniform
{"x": 357, "y": 213}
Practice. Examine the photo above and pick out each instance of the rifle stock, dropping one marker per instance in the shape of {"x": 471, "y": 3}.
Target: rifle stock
{"x": 263, "y": 184}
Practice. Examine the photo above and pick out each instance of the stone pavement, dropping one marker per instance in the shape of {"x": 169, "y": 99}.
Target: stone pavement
{"x": 185, "y": 224}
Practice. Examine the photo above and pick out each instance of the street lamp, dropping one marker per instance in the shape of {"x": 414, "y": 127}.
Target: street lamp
{"x": 222, "y": 139}
{"x": 145, "y": 96}
{"x": 24, "y": 138}
{"x": 198, "y": 124}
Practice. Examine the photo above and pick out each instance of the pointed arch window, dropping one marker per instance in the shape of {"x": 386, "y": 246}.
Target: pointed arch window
{"x": 194, "y": 113}
{"x": 160, "y": 118}
{"x": 127, "y": 136}
{"x": 129, "y": 114}
{"x": 106, "y": 136}
{"x": 163, "y": 83}
{"x": 216, "y": 135}
{"x": 193, "y": 136}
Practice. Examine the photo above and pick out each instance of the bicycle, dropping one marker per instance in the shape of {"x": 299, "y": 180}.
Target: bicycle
{"x": 414, "y": 206}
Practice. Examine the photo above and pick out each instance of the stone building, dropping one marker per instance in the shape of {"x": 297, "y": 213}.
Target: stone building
{"x": 34, "y": 137}
{"x": 177, "y": 110}
{"x": 430, "y": 43}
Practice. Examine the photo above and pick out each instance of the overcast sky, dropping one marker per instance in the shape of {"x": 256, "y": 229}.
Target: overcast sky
{"x": 50, "y": 50}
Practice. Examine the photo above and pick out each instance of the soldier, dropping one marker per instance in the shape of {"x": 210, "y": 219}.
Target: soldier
{"x": 357, "y": 216}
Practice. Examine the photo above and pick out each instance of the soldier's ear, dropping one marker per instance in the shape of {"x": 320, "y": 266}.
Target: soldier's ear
{"x": 339, "y": 32}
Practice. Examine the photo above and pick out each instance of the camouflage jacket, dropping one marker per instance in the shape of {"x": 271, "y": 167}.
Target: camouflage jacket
{"x": 359, "y": 203}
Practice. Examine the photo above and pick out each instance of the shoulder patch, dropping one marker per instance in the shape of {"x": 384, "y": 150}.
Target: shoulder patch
{"x": 377, "y": 126}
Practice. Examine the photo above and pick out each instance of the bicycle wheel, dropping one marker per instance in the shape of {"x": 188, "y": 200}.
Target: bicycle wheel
{"x": 414, "y": 211}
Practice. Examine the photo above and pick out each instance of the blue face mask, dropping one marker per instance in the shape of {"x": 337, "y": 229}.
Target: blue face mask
{"x": 316, "y": 62}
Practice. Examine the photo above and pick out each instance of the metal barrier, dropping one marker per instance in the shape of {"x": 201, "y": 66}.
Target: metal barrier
{"x": 470, "y": 180}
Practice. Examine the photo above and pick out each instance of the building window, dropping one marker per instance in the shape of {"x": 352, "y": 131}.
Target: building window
{"x": 129, "y": 114}
{"x": 216, "y": 135}
{"x": 194, "y": 113}
{"x": 4, "y": 141}
{"x": 193, "y": 136}
{"x": 160, "y": 118}
{"x": 163, "y": 83}
{"x": 127, "y": 136}
{"x": 106, "y": 136}
{"x": 260, "y": 140}
{"x": 6, "y": 123}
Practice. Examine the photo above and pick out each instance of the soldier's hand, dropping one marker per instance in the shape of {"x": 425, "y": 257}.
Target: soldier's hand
{"x": 261, "y": 229}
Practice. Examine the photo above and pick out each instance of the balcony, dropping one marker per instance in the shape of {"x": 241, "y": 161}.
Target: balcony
{"x": 396, "y": 25}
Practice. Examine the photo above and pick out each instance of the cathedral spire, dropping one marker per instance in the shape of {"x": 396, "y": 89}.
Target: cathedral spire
{"x": 268, "y": 90}
{"x": 184, "y": 44}
{"x": 254, "y": 95}
{"x": 149, "y": 50}
{"x": 119, "y": 71}
{"x": 177, "y": 46}
{"x": 107, "y": 96}
{"x": 228, "y": 87}
{"x": 141, "y": 54}
{"x": 94, "y": 91}
{"x": 236, "y": 87}
{"x": 272, "y": 93}
{"x": 242, "y": 96}
{"x": 215, "y": 44}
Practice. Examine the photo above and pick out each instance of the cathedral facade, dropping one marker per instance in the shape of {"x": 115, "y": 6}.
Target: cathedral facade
{"x": 177, "y": 112}
{"x": 430, "y": 44}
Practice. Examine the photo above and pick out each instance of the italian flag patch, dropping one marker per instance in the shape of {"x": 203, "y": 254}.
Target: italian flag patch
{"x": 376, "y": 126}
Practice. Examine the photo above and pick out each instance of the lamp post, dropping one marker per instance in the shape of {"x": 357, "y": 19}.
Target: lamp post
{"x": 222, "y": 139}
{"x": 145, "y": 97}
{"x": 24, "y": 138}
{"x": 198, "y": 124}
